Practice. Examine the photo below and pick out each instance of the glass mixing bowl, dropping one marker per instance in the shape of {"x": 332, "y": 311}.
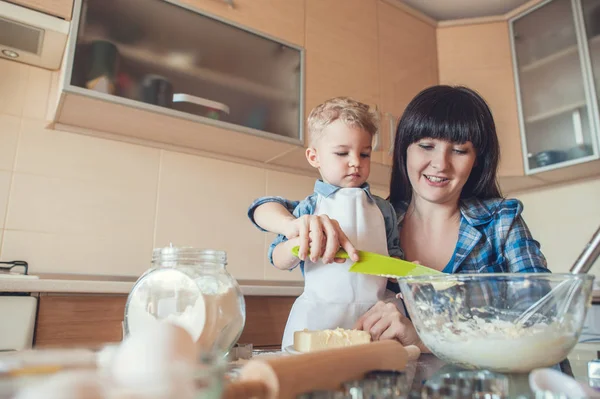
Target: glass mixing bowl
{"x": 470, "y": 319}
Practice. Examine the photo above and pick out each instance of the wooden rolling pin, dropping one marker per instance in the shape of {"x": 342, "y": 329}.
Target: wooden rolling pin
{"x": 288, "y": 376}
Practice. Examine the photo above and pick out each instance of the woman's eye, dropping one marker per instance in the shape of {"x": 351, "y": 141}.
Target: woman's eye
{"x": 459, "y": 151}
{"x": 426, "y": 146}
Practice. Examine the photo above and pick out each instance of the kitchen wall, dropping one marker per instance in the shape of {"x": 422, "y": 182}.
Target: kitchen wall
{"x": 71, "y": 203}
{"x": 563, "y": 219}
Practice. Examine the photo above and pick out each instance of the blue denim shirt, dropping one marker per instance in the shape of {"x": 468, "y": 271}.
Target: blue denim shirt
{"x": 492, "y": 238}
{"x": 308, "y": 206}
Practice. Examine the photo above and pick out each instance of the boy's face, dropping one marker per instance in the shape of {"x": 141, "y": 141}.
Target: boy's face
{"x": 342, "y": 154}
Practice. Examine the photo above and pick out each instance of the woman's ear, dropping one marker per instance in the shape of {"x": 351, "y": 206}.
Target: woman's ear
{"x": 312, "y": 157}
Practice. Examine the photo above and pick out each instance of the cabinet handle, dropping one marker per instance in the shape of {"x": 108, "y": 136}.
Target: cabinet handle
{"x": 392, "y": 129}
{"x": 230, "y": 3}
{"x": 376, "y": 145}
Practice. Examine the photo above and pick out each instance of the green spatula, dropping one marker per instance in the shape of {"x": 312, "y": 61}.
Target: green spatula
{"x": 380, "y": 265}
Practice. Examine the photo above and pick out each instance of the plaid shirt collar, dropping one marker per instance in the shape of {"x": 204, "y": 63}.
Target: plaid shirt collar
{"x": 326, "y": 189}
{"x": 474, "y": 213}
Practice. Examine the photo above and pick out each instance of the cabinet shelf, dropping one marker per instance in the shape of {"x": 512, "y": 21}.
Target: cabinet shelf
{"x": 554, "y": 57}
{"x": 147, "y": 57}
{"x": 555, "y": 112}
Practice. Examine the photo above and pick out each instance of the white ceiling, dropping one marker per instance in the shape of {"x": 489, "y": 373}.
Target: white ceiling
{"x": 456, "y": 9}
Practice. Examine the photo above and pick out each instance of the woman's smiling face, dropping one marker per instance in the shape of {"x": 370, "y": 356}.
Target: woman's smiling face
{"x": 438, "y": 169}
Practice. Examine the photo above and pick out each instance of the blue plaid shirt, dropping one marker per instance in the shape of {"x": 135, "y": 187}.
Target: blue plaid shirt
{"x": 309, "y": 204}
{"x": 493, "y": 237}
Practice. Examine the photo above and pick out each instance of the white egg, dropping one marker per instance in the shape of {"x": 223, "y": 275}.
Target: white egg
{"x": 66, "y": 385}
{"x": 156, "y": 363}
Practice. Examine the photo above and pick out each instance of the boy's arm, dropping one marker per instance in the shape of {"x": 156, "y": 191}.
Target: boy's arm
{"x": 272, "y": 213}
{"x": 282, "y": 256}
{"x": 272, "y": 216}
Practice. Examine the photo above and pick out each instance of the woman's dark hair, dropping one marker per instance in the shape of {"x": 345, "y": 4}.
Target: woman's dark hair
{"x": 454, "y": 114}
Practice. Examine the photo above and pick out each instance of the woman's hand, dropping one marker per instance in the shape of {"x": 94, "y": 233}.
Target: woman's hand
{"x": 322, "y": 235}
{"x": 384, "y": 321}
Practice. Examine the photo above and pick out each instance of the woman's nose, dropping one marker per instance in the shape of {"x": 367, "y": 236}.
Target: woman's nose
{"x": 440, "y": 160}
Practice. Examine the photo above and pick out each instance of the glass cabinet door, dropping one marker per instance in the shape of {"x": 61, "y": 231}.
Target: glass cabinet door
{"x": 591, "y": 17}
{"x": 158, "y": 54}
{"x": 557, "y": 118}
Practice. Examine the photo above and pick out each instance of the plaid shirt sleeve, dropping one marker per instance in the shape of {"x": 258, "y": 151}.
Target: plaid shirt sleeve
{"x": 523, "y": 255}
{"x": 521, "y": 252}
{"x": 304, "y": 207}
{"x": 289, "y": 205}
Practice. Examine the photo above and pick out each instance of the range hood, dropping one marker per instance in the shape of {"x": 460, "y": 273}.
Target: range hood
{"x": 32, "y": 37}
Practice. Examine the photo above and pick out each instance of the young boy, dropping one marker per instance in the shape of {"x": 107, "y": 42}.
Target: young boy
{"x": 341, "y": 133}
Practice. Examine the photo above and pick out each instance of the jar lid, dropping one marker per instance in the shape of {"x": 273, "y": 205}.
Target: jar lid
{"x": 170, "y": 254}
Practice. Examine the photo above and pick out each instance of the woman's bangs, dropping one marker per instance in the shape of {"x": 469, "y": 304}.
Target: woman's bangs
{"x": 452, "y": 120}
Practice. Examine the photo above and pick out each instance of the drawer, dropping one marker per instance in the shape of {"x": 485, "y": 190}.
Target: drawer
{"x": 79, "y": 320}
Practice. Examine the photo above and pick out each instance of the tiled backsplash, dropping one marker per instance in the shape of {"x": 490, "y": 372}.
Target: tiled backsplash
{"x": 72, "y": 203}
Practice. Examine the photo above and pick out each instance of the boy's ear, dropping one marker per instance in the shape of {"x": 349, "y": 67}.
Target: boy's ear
{"x": 312, "y": 158}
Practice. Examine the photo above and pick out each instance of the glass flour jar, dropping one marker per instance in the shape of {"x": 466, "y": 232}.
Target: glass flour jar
{"x": 189, "y": 287}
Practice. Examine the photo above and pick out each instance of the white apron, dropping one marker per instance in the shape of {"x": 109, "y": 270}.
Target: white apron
{"x": 334, "y": 297}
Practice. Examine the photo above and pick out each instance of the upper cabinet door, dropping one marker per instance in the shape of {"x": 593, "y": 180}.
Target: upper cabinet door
{"x": 479, "y": 57}
{"x": 557, "y": 105}
{"x": 281, "y": 19}
{"x": 341, "y": 54}
{"x": 407, "y": 65}
{"x": 167, "y": 72}
{"x": 341, "y": 51}
{"x": 591, "y": 17}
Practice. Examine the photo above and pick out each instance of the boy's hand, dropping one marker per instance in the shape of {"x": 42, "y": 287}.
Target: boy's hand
{"x": 322, "y": 235}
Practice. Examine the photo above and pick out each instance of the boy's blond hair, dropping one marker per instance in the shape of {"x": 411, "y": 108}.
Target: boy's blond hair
{"x": 353, "y": 113}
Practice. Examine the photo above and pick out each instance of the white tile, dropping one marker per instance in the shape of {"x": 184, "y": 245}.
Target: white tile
{"x": 563, "y": 218}
{"x": 203, "y": 203}
{"x": 293, "y": 187}
{"x": 1, "y": 242}
{"x": 68, "y": 206}
{"x": 67, "y": 155}
{"x": 13, "y": 84}
{"x": 117, "y": 254}
{"x": 36, "y": 93}
{"x": 4, "y": 192}
{"x": 9, "y": 137}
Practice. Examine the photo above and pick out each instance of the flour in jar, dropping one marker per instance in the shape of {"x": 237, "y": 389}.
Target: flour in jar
{"x": 499, "y": 345}
{"x": 225, "y": 319}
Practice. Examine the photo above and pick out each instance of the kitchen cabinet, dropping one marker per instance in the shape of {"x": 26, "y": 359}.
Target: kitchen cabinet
{"x": 558, "y": 106}
{"x": 342, "y": 53}
{"x": 71, "y": 320}
{"x": 479, "y": 57}
{"x": 591, "y": 17}
{"x": 79, "y": 320}
{"x": 407, "y": 65}
{"x": 153, "y": 72}
{"x": 59, "y": 8}
{"x": 479, "y": 54}
{"x": 385, "y": 63}
{"x": 280, "y": 19}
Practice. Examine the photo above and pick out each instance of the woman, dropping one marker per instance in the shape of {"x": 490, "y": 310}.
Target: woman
{"x": 451, "y": 214}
